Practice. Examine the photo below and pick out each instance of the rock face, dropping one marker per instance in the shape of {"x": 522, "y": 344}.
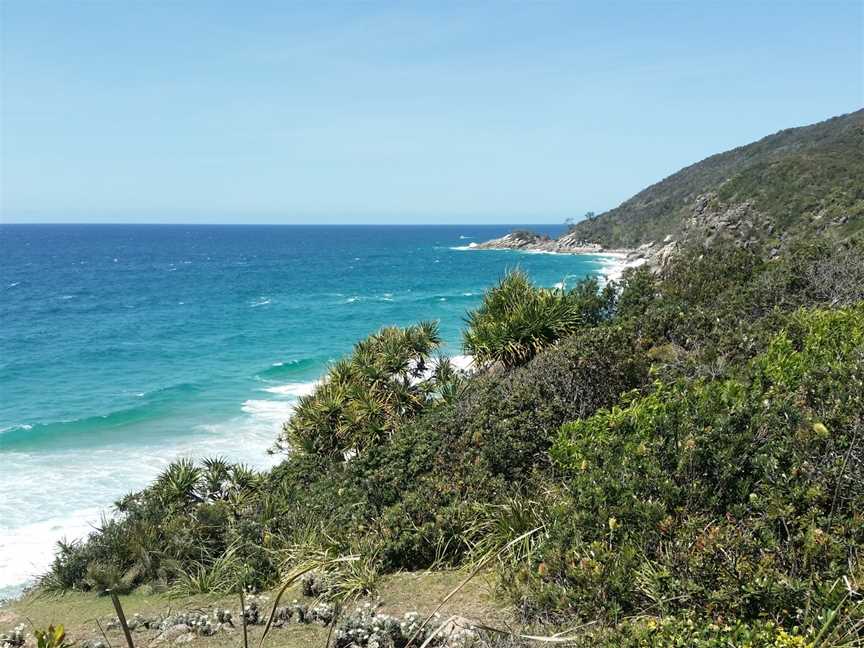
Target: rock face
{"x": 533, "y": 242}
{"x": 712, "y": 222}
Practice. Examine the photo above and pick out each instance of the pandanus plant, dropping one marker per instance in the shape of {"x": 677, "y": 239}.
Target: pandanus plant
{"x": 386, "y": 380}
{"x": 518, "y": 319}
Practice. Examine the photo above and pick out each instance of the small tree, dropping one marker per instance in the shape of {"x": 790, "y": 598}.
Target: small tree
{"x": 517, "y": 319}
{"x": 386, "y": 380}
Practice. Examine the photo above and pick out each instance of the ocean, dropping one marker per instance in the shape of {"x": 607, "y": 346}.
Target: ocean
{"x": 123, "y": 347}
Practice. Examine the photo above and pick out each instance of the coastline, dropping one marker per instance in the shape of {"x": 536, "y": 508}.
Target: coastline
{"x": 131, "y": 429}
{"x": 29, "y": 551}
{"x": 613, "y": 261}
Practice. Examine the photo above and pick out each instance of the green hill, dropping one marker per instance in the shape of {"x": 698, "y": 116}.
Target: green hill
{"x": 798, "y": 181}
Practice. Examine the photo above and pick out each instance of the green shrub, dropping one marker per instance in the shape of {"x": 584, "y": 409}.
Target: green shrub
{"x": 364, "y": 398}
{"x": 740, "y": 497}
{"x": 517, "y": 319}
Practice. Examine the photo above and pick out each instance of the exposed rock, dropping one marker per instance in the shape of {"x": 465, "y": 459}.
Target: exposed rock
{"x": 173, "y": 632}
{"x": 663, "y": 255}
{"x": 93, "y": 643}
{"x": 533, "y": 242}
{"x": 457, "y": 632}
{"x": 712, "y": 222}
{"x": 15, "y": 638}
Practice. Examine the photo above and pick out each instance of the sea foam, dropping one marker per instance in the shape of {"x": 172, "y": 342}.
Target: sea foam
{"x": 292, "y": 389}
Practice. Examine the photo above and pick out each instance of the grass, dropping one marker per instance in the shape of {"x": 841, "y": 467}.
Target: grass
{"x": 397, "y": 594}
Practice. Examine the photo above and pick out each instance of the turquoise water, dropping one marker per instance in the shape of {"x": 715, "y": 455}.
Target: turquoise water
{"x": 124, "y": 347}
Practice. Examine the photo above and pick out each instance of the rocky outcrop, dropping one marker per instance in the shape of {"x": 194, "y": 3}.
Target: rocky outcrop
{"x": 532, "y": 242}
{"x": 711, "y": 222}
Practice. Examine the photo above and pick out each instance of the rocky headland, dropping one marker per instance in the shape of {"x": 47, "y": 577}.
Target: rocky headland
{"x": 570, "y": 243}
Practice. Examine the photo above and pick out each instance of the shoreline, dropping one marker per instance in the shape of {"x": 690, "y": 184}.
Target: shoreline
{"x": 617, "y": 260}
{"x": 32, "y": 549}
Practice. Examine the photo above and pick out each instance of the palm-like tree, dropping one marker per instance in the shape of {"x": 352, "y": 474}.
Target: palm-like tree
{"x": 517, "y": 319}
{"x": 179, "y": 483}
{"x": 366, "y": 396}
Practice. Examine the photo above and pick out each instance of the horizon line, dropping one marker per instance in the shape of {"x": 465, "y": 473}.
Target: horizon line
{"x": 120, "y": 223}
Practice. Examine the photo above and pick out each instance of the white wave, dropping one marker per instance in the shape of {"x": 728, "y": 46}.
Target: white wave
{"x": 261, "y": 302}
{"x": 13, "y": 284}
{"x": 614, "y": 264}
{"x": 463, "y": 363}
{"x": 268, "y": 410}
{"x": 293, "y": 389}
{"x": 470, "y": 246}
{"x": 463, "y": 237}
{"x": 23, "y": 426}
{"x": 33, "y": 518}
{"x": 543, "y": 252}
{"x": 27, "y": 550}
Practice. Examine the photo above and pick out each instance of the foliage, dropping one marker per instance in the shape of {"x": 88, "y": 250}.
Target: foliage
{"x": 689, "y": 456}
{"x": 695, "y": 631}
{"x": 741, "y": 497}
{"x": 53, "y": 637}
{"x": 364, "y": 398}
{"x": 517, "y": 319}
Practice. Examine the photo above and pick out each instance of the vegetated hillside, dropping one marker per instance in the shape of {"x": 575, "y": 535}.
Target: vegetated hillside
{"x": 682, "y": 467}
{"x": 798, "y": 181}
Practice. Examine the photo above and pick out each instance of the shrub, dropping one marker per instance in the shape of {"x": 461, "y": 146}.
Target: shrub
{"x": 516, "y": 319}
{"x": 741, "y": 497}
{"x": 365, "y": 397}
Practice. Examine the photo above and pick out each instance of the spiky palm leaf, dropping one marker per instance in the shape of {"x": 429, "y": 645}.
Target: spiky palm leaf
{"x": 179, "y": 482}
{"x": 365, "y": 396}
{"x": 517, "y": 320}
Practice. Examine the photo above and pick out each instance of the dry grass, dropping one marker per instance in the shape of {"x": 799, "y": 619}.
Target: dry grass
{"x": 417, "y": 592}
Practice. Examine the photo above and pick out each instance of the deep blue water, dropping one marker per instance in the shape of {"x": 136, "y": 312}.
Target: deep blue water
{"x": 125, "y": 346}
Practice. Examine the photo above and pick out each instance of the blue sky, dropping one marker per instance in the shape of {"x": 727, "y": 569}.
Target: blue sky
{"x": 334, "y": 112}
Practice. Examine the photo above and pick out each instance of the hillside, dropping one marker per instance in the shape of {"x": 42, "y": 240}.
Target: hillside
{"x": 797, "y": 181}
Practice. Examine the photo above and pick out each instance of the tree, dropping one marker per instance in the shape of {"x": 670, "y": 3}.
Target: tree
{"x": 387, "y": 380}
{"x": 517, "y": 319}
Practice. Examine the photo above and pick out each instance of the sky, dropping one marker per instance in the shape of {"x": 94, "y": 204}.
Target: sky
{"x": 424, "y": 112}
